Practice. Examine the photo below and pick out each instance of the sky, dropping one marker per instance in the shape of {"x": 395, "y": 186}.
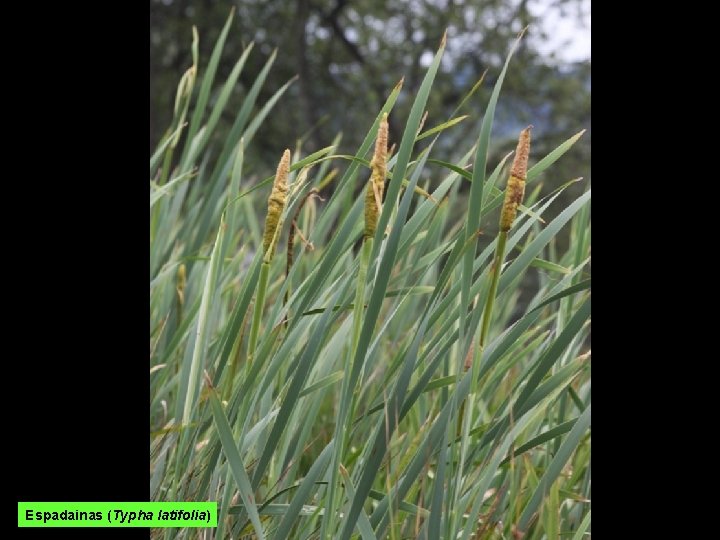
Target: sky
{"x": 568, "y": 34}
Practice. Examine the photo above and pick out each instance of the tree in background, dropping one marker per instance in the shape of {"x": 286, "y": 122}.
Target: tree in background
{"x": 349, "y": 55}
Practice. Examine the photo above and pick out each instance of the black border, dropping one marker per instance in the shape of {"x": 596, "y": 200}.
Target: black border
{"x": 77, "y": 255}
{"x": 76, "y": 267}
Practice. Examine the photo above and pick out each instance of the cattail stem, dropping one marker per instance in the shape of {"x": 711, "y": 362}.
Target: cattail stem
{"x": 373, "y": 207}
{"x": 257, "y": 312}
{"x": 342, "y": 435}
{"x": 359, "y": 306}
{"x": 358, "y": 310}
{"x": 514, "y": 193}
{"x": 490, "y": 303}
{"x": 273, "y": 226}
{"x": 235, "y": 358}
{"x": 486, "y": 318}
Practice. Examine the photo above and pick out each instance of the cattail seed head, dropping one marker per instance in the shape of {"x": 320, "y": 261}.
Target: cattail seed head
{"x": 376, "y": 186}
{"x": 276, "y": 204}
{"x": 522, "y": 152}
{"x": 516, "y": 183}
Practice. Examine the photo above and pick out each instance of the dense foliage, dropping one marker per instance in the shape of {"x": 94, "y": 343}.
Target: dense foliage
{"x": 346, "y": 386}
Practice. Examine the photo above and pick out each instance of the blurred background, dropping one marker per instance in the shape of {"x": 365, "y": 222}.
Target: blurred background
{"x": 348, "y": 55}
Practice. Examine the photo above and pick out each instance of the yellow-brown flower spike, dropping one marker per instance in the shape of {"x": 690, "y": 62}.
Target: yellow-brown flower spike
{"x": 276, "y": 204}
{"x": 376, "y": 186}
{"x": 516, "y": 183}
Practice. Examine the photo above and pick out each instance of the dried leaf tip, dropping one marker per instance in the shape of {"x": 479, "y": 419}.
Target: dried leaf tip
{"x": 376, "y": 186}
{"x": 276, "y": 204}
{"x": 443, "y": 42}
{"x": 520, "y": 163}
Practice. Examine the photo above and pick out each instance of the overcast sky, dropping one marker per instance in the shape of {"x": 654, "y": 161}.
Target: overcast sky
{"x": 568, "y": 34}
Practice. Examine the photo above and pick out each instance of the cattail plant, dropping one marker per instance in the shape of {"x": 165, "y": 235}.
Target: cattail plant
{"x": 273, "y": 226}
{"x": 376, "y": 185}
{"x": 276, "y": 205}
{"x": 307, "y": 444}
{"x": 513, "y": 198}
{"x": 514, "y": 194}
{"x": 373, "y": 207}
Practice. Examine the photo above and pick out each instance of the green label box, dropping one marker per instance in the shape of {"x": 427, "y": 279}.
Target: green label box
{"x": 117, "y": 514}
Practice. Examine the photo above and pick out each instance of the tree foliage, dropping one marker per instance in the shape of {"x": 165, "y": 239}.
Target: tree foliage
{"x": 349, "y": 55}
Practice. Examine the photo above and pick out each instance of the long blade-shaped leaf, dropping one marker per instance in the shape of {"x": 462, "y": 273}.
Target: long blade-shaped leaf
{"x": 555, "y": 468}
{"x": 236, "y": 464}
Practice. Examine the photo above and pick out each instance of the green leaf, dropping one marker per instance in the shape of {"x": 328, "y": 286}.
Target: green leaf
{"x": 322, "y": 383}
{"x": 544, "y": 437}
{"x": 555, "y": 468}
{"x": 364, "y": 526}
{"x": 198, "y": 355}
{"x": 158, "y": 191}
{"x": 235, "y": 461}
{"x": 549, "y": 265}
{"x": 582, "y": 286}
{"x": 155, "y": 158}
{"x": 552, "y": 157}
{"x": 303, "y": 492}
{"x": 531, "y": 250}
{"x": 205, "y": 86}
{"x": 441, "y": 127}
{"x": 476, "y": 189}
{"x": 580, "y": 533}
{"x": 293, "y": 393}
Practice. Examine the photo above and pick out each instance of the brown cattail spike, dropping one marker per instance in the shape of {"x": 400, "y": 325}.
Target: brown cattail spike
{"x": 276, "y": 204}
{"x": 376, "y": 186}
{"x": 516, "y": 183}
{"x": 522, "y": 152}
